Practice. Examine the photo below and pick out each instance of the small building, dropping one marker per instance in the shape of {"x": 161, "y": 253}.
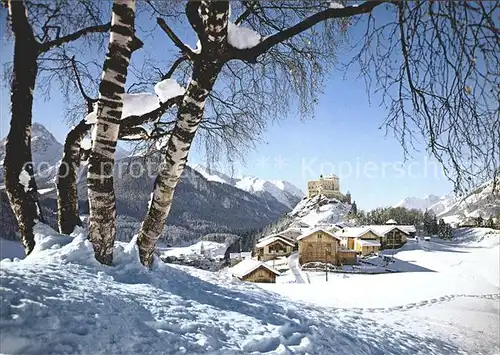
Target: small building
{"x": 347, "y": 256}
{"x": 254, "y": 271}
{"x": 411, "y": 230}
{"x": 391, "y": 222}
{"x": 367, "y": 246}
{"x": 319, "y": 245}
{"x": 272, "y": 247}
{"x": 363, "y": 240}
{"x": 391, "y": 236}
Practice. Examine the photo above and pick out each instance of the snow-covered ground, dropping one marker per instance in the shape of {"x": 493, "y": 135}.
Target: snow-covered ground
{"x": 60, "y": 300}
{"x": 319, "y": 209}
{"x": 206, "y": 248}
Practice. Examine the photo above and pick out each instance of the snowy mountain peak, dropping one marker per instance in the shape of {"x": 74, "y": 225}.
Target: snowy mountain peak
{"x": 46, "y": 150}
{"x": 280, "y": 190}
{"x": 39, "y": 130}
{"x": 455, "y": 210}
{"x": 418, "y": 203}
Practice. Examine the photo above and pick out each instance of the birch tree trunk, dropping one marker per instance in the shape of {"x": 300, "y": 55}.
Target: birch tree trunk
{"x": 214, "y": 16}
{"x": 67, "y": 193}
{"x": 102, "y": 226}
{"x": 19, "y": 178}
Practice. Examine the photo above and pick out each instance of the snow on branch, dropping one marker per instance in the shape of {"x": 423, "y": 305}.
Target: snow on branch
{"x": 242, "y": 37}
{"x": 336, "y": 5}
{"x": 251, "y": 54}
{"x": 168, "y": 89}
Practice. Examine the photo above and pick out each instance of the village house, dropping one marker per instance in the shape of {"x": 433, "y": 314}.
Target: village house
{"x": 328, "y": 186}
{"x": 254, "y": 271}
{"x": 363, "y": 240}
{"x": 321, "y": 246}
{"x": 392, "y": 236}
{"x": 272, "y": 247}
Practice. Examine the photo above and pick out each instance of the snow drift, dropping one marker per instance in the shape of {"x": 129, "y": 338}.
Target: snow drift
{"x": 60, "y": 300}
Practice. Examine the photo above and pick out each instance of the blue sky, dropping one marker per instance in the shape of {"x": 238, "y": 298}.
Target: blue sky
{"x": 343, "y": 138}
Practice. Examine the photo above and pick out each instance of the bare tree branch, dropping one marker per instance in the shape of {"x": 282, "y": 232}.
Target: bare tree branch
{"x": 178, "y": 43}
{"x": 44, "y": 47}
{"x": 251, "y": 54}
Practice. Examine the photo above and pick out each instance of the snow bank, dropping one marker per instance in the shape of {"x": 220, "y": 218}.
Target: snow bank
{"x": 60, "y": 300}
{"x": 207, "y": 248}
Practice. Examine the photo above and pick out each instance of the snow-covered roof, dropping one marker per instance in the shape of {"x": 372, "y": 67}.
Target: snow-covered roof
{"x": 383, "y": 230}
{"x": 380, "y": 230}
{"x": 308, "y": 233}
{"x": 408, "y": 229}
{"x": 355, "y": 232}
{"x": 391, "y": 221}
{"x": 246, "y": 266}
{"x": 368, "y": 243}
{"x": 270, "y": 240}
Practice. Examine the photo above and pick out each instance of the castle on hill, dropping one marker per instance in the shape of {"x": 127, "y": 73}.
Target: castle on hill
{"x": 328, "y": 186}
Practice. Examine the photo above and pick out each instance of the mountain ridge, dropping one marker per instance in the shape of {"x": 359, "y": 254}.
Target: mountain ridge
{"x": 200, "y": 206}
{"x": 281, "y": 190}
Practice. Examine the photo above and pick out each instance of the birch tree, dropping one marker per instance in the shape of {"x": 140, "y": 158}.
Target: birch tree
{"x": 102, "y": 221}
{"x": 28, "y": 48}
{"x": 415, "y": 100}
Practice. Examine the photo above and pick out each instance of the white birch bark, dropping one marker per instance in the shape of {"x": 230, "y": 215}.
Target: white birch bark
{"x": 102, "y": 203}
{"x": 214, "y": 18}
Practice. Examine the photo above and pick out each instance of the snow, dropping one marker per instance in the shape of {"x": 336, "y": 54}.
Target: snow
{"x": 46, "y": 190}
{"x": 60, "y": 300}
{"x": 86, "y": 143}
{"x": 241, "y": 37}
{"x": 336, "y": 5}
{"x": 168, "y": 89}
{"x": 24, "y": 179}
{"x": 314, "y": 230}
{"x": 139, "y": 104}
{"x": 465, "y": 267}
{"x": 454, "y": 210}
{"x": 418, "y": 203}
{"x": 246, "y": 266}
{"x": 196, "y": 50}
{"x": 279, "y": 189}
{"x": 91, "y": 118}
{"x": 267, "y": 241}
{"x": 207, "y": 175}
{"x": 368, "y": 243}
{"x": 319, "y": 210}
{"x": 211, "y": 249}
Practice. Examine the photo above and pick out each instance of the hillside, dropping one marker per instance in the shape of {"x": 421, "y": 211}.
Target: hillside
{"x": 200, "y": 206}
{"x": 280, "y": 190}
{"x": 309, "y": 213}
{"x": 481, "y": 201}
{"x": 450, "y": 309}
